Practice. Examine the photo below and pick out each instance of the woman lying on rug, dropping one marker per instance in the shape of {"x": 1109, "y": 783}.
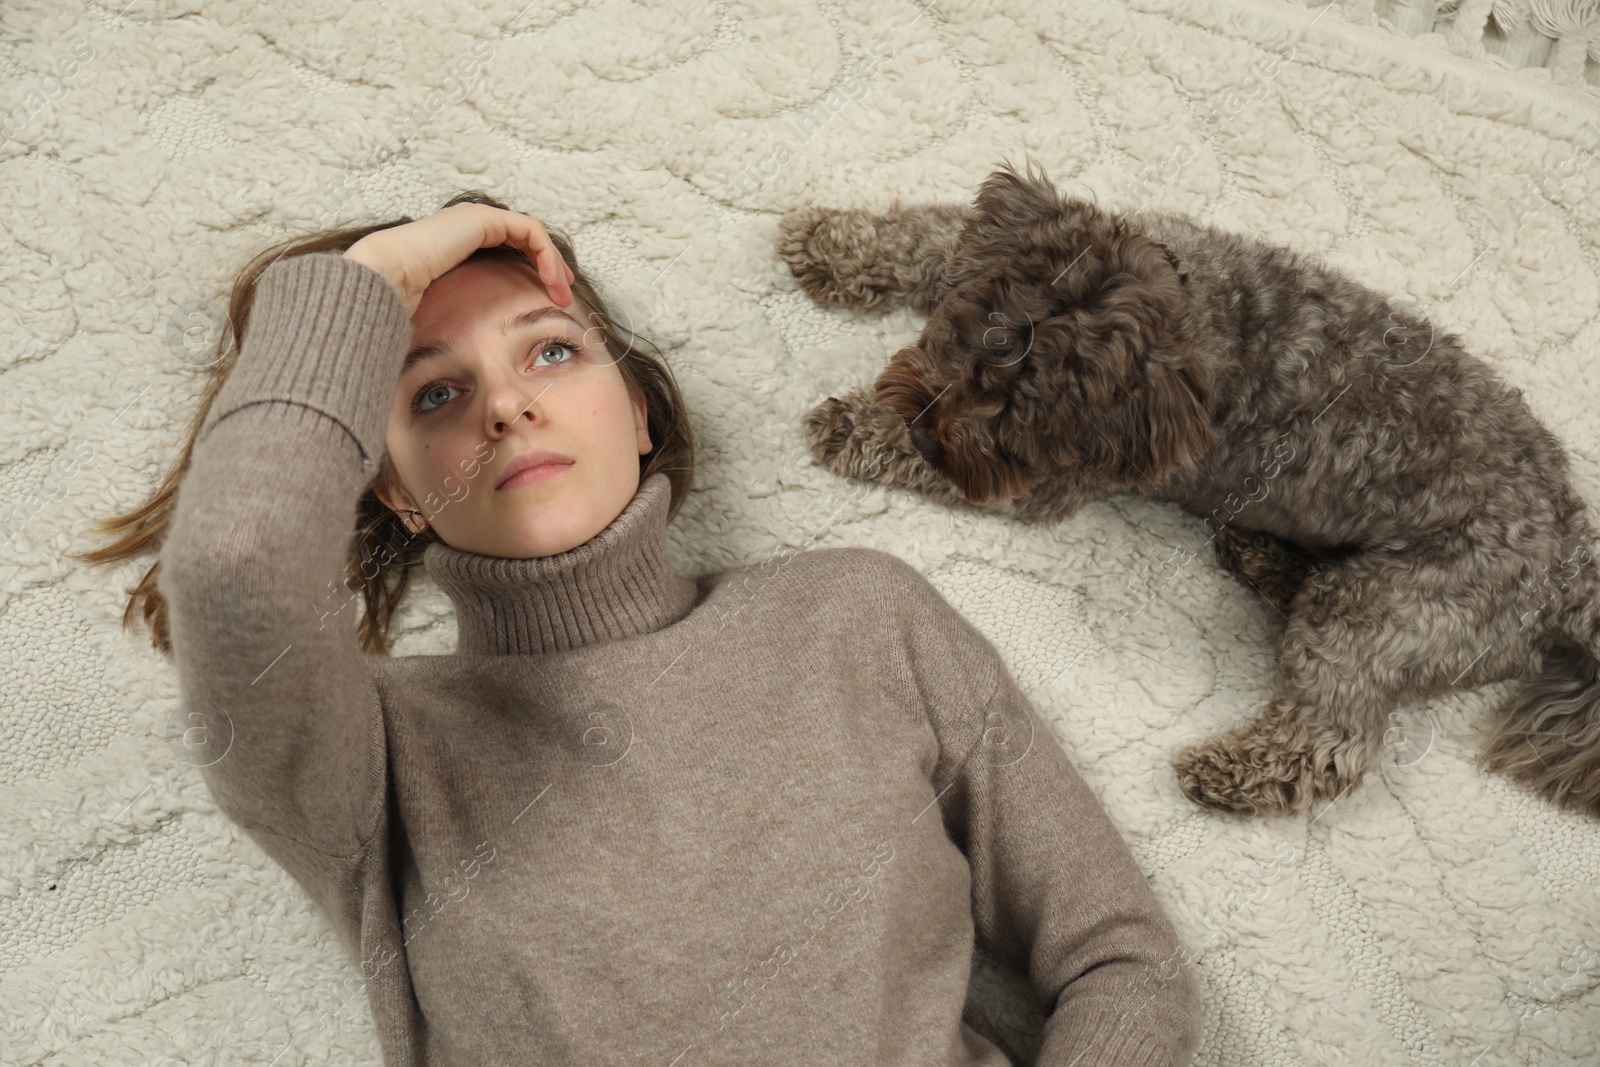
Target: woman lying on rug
{"x": 611, "y": 827}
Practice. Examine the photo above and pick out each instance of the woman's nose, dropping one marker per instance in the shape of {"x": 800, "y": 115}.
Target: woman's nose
{"x": 513, "y": 401}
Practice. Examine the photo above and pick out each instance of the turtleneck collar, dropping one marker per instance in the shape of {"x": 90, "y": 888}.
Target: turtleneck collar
{"x": 616, "y": 584}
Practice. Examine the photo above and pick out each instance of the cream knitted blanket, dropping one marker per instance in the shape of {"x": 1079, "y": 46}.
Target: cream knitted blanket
{"x": 1434, "y": 916}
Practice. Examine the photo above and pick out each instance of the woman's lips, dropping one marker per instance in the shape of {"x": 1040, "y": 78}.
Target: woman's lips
{"x": 540, "y": 473}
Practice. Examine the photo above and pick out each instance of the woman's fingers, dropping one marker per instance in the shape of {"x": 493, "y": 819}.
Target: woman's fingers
{"x": 414, "y": 255}
{"x": 529, "y": 234}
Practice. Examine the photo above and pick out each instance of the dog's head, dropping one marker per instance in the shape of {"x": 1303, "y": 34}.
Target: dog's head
{"x": 1058, "y": 345}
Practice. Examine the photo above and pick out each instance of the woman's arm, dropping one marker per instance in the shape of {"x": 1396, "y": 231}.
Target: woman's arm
{"x": 253, "y": 567}
{"x": 1056, "y": 894}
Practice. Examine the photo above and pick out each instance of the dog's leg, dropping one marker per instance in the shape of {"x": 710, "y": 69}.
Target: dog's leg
{"x": 853, "y": 437}
{"x": 861, "y": 258}
{"x": 1362, "y": 633}
{"x": 1321, "y": 731}
{"x": 1269, "y": 565}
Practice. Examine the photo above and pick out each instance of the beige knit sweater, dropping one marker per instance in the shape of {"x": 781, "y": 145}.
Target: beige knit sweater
{"x": 755, "y": 817}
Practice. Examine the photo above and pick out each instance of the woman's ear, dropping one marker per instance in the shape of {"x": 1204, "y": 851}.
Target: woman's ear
{"x": 397, "y": 500}
{"x": 641, "y": 425}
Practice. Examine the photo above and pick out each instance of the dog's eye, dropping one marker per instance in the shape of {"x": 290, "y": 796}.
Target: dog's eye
{"x": 923, "y": 441}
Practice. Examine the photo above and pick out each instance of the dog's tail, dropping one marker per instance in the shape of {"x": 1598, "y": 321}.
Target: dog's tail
{"x": 1548, "y": 736}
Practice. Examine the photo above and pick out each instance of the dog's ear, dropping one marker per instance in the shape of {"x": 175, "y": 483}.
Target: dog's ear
{"x": 1105, "y": 308}
{"x": 1011, "y": 202}
{"x": 1121, "y": 331}
{"x": 1170, "y": 424}
{"x": 1136, "y": 424}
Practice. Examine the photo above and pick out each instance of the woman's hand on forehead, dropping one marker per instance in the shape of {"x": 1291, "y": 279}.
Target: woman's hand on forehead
{"x": 413, "y": 255}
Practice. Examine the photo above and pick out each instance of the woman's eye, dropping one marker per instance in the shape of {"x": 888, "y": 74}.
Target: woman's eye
{"x": 572, "y": 351}
{"x": 426, "y": 391}
{"x": 553, "y": 346}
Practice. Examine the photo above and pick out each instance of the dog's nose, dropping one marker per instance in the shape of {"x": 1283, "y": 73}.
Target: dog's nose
{"x": 923, "y": 441}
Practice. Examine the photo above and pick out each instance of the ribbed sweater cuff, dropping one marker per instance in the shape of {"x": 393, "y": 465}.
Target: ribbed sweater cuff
{"x": 1101, "y": 1035}
{"x": 1127, "y": 1049}
{"x": 327, "y": 332}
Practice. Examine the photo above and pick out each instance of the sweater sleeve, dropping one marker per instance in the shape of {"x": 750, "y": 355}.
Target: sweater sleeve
{"x": 1056, "y": 893}
{"x": 290, "y": 737}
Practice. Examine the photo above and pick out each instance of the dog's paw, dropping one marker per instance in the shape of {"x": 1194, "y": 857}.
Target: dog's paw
{"x": 830, "y": 254}
{"x": 1261, "y": 562}
{"x": 828, "y": 428}
{"x": 1224, "y": 774}
{"x": 856, "y": 438}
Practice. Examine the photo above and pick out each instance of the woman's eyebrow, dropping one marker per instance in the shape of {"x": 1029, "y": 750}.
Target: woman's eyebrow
{"x": 430, "y": 349}
{"x": 528, "y": 318}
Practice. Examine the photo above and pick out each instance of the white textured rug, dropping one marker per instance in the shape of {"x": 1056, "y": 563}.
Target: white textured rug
{"x": 1434, "y": 916}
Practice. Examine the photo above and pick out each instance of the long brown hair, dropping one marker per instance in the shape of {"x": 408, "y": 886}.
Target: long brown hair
{"x": 380, "y": 534}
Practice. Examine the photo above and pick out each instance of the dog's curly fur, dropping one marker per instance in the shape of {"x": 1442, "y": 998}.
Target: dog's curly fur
{"x": 1381, "y": 488}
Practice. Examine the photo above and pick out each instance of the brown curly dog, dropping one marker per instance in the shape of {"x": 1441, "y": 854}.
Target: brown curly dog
{"x": 1381, "y": 488}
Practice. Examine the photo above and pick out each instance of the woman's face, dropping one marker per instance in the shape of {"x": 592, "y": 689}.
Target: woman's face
{"x": 479, "y": 398}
